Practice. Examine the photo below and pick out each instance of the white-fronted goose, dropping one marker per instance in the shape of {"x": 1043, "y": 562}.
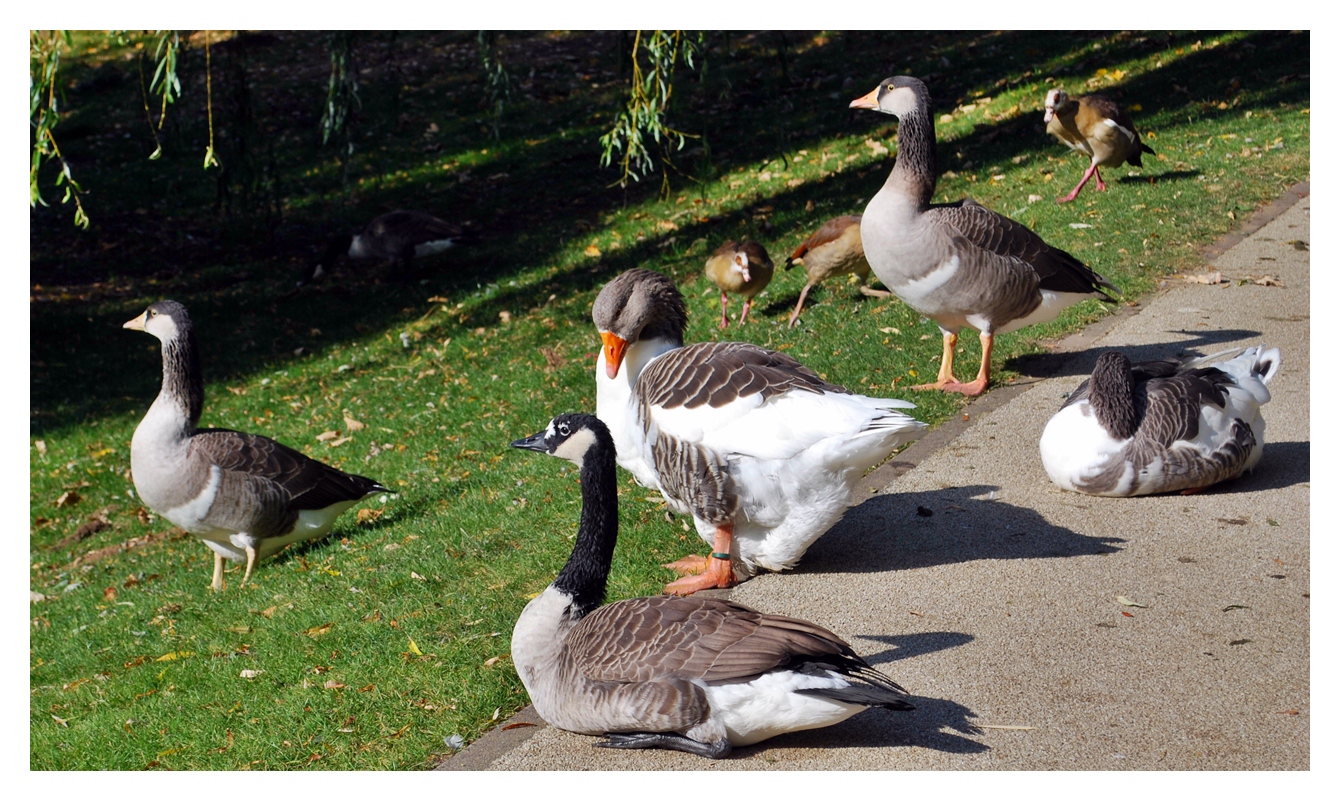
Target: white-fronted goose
{"x": 397, "y": 237}
{"x": 245, "y": 496}
{"x": 835, "y": 249}
{"x": 760, "y": 450}
{"x": 959, "y": 264}
{"x": 699, "y": 675}
{"x": 1161, "y": 426}
{"x": 742, "y": 268}
{"x": 1097, "y": 127}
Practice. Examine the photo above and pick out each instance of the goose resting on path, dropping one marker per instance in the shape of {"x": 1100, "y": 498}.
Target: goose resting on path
{"x": 959, "y": 264}
{"x": 757, "y": 447}
{"x": 1161, "y": 426}
{"x": 1097, "y": 127}
{"x": 688, "y": 674}
{"x": 246, "y": 496}
{"x": 397, "y": 237}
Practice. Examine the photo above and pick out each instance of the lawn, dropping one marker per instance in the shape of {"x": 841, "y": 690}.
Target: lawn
{"x": 387, "y": 641}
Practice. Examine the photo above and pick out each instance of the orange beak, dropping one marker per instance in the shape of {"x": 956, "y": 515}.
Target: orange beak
{"x": 868, "y": 101}
{"x": 614, "y": 350}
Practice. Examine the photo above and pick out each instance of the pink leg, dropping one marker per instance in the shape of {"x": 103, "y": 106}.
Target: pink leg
{"x": 725, "y": 321}
{"x": 748, "y": 304}
{"x": 1074, "y": 193}
{"x": 795, "y": 315}
{"x": 1098, "y": 176}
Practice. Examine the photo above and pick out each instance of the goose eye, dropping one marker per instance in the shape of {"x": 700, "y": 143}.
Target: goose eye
{"x": 890, "y": 87}
{"x": 563, "y": 429}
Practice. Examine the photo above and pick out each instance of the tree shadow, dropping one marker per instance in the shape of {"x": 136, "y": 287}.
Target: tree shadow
{"x": 908, "y": 530}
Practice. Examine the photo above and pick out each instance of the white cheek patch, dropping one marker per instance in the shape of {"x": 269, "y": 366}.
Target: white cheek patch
{"x": 549, "y": 432}
{"x": 163, "y": 327}
{"x": 574, "y": 448}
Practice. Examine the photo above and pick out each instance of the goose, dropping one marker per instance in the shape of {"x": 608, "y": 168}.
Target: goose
{"x": 397, "y": 237}
{"x": 833, "y": 250}
{"x": 700, "y": 675}
{"x": 1161, "y": 426}
{"x": 1097, "y": 127}
{"x": 740, "y": 267}
{"x": 244, "y": 495}
{"x": 960, "y": 264}
{"x": 760, "y": 450}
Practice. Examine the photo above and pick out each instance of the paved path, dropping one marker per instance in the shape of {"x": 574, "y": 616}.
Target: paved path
{"x": 998, "y": 609}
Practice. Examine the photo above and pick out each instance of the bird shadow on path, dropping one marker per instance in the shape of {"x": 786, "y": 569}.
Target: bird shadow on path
{"x": 1081, "y": 362}
{"x": 907, "y": 530}
{"x": 937, "y": 724}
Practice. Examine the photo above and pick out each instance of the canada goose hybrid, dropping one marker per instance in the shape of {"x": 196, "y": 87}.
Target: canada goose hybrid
{"x": 245, "y": 496}
{"x": 742, "y": 268}
{"x": 700, "y": 675}
{"x": 960, "y": 264}
{"x": 1097, "y": 127}
{"x": 833, "y": 250}
{"x": 397, "y": 237}
{"x": 1161, "y": 426}
{"x": 760, "y": 450}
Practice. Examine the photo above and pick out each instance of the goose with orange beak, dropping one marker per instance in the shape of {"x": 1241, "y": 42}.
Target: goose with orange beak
{"x": 756, "y": 447}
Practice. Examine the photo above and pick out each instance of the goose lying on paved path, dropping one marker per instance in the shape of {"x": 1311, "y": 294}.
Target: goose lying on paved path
{"x": 1097, "y": 127}
{"x": 397, "y": 237}
{"x": 833, "y": 250}
{"x": 689, "y": 674}
{"x": 960, "y": 264}
{"x": 757, "y": 447}
{"x": 742, "y": 268}
{"x": 1161, "y": 426}
{"x": 246, "y": 496}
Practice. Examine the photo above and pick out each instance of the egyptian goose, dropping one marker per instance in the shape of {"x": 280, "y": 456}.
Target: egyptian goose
{"x": 960, "y": 264}
{"x": 700, "y": 675}
{"x": 397, "y": 237}
{"x": 245, "y": 496}
{"x": 1161, "y": 426}
{"x": 742, "y": 268}
{"x": 761, "y": 451}
{"x": 1097, "y": 127}
{"x": 833, "y": 250}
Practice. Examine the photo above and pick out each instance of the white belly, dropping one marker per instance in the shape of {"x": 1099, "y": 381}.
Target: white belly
{"x": 767, "y": 706}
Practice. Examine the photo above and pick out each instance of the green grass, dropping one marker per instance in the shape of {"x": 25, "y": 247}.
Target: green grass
{"x": 377, "y": 643}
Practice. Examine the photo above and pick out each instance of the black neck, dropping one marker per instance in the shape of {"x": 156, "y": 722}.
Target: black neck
{"x": 588, "y": 568}
{"x": 1112, "y": 395}
{"x": 916, "y": 166}
{"x": 183, "y": 381}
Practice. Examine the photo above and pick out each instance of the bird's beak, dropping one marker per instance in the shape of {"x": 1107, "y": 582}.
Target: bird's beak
{"x": 869, "y": 101}
{"x": 614, "y": 350}
{"x": 1048, "y": 114}
{"x": 138, "y": 323}
{"x": 535, "y": 442}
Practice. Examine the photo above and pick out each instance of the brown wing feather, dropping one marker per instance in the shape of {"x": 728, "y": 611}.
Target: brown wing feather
{"x": 309, "y": 484}
{"x": 830, "y": 231}
{"x": 716, "y": 373}
{"x": 645, "y": 639}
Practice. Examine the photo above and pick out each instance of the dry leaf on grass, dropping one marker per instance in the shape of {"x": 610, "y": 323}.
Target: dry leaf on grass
{"x": 327, "y": 435}
{"x": 317, "y": 631}
{"x": 331, "y": 684}
{"x": 69, "y": 498}
{"x": 414, "y": 647}
{"x": 338, "y": 442}
{"x": 250, "y": 674}
{"x": 414, "y": 575}
{"x": 353, "y": 425}
{"x": 592, "y": 251}
{"x": 366, "y": 516}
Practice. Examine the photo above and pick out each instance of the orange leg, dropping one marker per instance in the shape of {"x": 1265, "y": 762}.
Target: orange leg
{"x": 978, "y": 385}
{"x": 691, "y": 565}
{"x": 946, "y": 364}
{"x": 718, "y": 572}
{"x": 725, "y": 321}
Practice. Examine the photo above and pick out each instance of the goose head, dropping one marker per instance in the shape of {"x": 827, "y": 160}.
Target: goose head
{"x": 166, "y": 319}
{"x": 637, "y": 305}
{"x": 1112, "y": 395}
{"x": 1055, "y": 99}
{"x": 569, "y": 436}
{"x": 899, "y": 96}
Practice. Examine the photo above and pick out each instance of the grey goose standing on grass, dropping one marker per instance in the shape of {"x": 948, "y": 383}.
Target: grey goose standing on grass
{"x": 244, "y": 495}
{"x": 688, "y": 674}
{"x": 960, "y": 264}
{"x": 397, "y": 237}
{"x": 1161, "y": 426}
{"x": 758, "y": 448}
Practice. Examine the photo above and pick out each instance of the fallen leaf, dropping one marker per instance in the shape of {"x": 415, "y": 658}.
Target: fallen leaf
{"x": 592, "y": 251}
{"x": 1284, "y": 712}
{"x": 414, "y": 648}
{"x": 109, "y": 593}
{"x": 894, "y": 331}
{"x": 250, "y": 674}
{"x": 1235, "y": 606}
{"x": 172, "y": 656}
{"x": 41, "y": 447}
{"x": 523, "y": 725}
{"x": 61, "y": 721}
{"x": 1080, "y": 225}
{"x": 240, "y": 629}
{"x": 1232, "y": 521}
{"x": 368, "y": 688}
{"x": 1262, "y": 280}
{"x": 69, "y": 498}
{"x": 414, "y": 575}
{"x": 327, "y": 435}
{"x": 1205, "y": 278}
{"x": 1127, "y": 614}
{"x": 1238, "y": 642}
{"x": 335, "y": 443}
{"x": 268, "y": 613}
{"x": 667, "y": 225}
{"x": 317, "y": 631}
{"x": 353, "y": 425}
{"x": 35, "y": 597}
{"x": 368, "y": 515}
{"x": 491, "y": 661}
{"x": 331, "y": 684}
{"x": 1124, "y": 601}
